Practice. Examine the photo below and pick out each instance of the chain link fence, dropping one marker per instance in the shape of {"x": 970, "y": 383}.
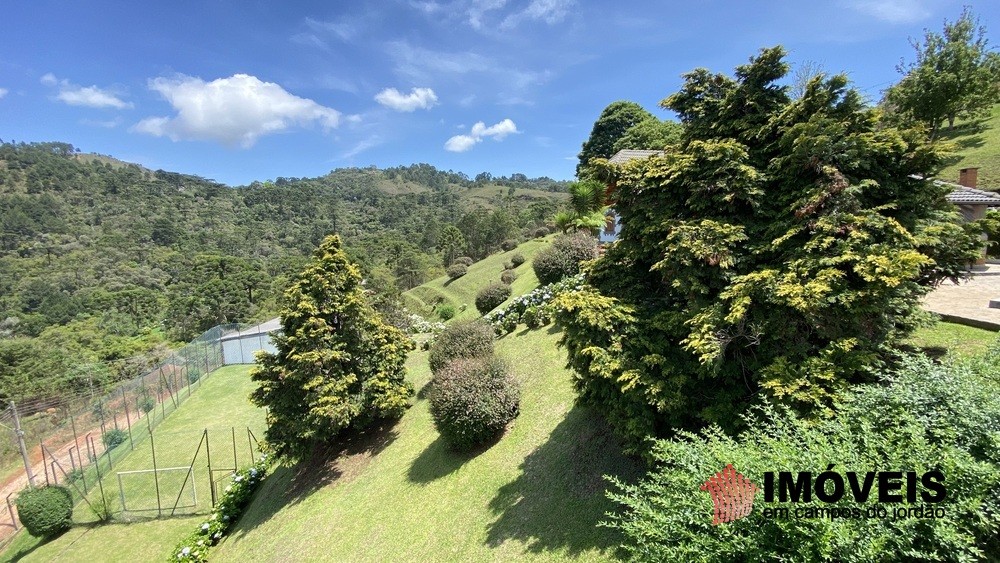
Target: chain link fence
{"x": 78, "y": 440}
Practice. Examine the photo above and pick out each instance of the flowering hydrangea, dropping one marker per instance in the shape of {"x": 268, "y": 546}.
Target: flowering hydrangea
{"x": 532, "y": 308}
{"x": 230, "y": 505}
{"x": 420, "y": 325}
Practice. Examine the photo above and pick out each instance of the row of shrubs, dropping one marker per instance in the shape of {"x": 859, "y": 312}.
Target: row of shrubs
{"x": 926, "y": 417}
{"x": 532, "y": 309}
{"x": 473, "y": 394}
{"x": 232, "y": 502}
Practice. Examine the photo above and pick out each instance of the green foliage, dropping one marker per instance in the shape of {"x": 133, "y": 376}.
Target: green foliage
{"x": 446, "y": 311}
{"x": 564, "y": 257}
{"x": 232, "y": 502}
{"x": 338, "y": 364}
{"x": 991, "y": 226}
{"x": 928, "y": 417}
{"x": 491, "y": 296}
{"x": 541, "y": 232}
{"x": 614, "y": 121}
{"x": 649, "y": 134}
{"x": 469, "y": 339}
{"x": 472, "y": 400}
{"x": 146, "y": 404}
{"x": 517, "y": 259}
{"x": 507, "y": 277}
{"x": 456, "y": 271}
{"x": 464, "y": 261}
{"x": 114, "y": 437}
{"x": 956, "y": 75}
{"x": 451, "y": 244}
{"x": 780, "y": 252}
{"x": 45, "y": 511}
{"x": 508, "y": 245}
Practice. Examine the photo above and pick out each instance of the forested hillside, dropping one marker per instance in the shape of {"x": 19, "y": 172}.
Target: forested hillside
{"x": 102, "y": 263}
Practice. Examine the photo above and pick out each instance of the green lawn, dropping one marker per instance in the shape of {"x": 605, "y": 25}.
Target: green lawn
{"x": 952, "y": 339}
{"x": 976, "y": 143}
{"x": 463, "y": 290}
{"x": 219, "y": 405}
{"x": 400, "y": 495}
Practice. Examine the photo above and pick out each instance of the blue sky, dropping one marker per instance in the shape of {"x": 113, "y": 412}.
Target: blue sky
{"x": 240, "y": 91}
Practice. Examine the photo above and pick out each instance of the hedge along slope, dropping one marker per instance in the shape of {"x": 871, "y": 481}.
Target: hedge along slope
{"x": 472, "y": 400}
{"x": 45, "y": 511}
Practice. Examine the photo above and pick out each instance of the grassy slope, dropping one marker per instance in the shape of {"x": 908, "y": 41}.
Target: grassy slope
{"x": 952, "y": 339}
{"x": 463, "y": 290}
{"x": 400, "y": 495}
{"x": 976, "y": 144}
{"x": 219, "y": 404}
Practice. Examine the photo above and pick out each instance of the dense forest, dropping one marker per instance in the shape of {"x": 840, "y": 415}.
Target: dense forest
{"x": 105, "y": 264}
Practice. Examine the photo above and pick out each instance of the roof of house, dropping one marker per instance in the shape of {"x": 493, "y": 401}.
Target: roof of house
{"x": 964, "y": 195}
{"x": 625, "y": 155}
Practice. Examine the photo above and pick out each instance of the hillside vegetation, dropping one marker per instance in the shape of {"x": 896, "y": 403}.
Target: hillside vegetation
{"x": 103, "y": 264}
{"x": 976, "y": 144}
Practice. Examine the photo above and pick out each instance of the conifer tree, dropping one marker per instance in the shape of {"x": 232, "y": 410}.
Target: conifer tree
{"x": 338, "y": 366}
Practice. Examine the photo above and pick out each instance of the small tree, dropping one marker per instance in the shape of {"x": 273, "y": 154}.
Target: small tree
{"x": 338, "y": 365}
{"x": 955, "y": 75}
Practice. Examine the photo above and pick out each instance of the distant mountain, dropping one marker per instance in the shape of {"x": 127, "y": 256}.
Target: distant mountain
{"x": 103, "y": 259}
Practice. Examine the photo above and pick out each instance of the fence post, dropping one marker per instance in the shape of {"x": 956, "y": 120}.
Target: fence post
{"x": 44, "y": 466}
{"x": 156, "y": 477}
{"x": 128, "y": 420}
{"x": 19, "y": 436}
{"x": 211, "y": 476}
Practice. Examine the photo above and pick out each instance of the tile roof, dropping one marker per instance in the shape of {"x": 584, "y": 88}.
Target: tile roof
{"x": 625, "y": 155}
{"x": 963, "y": 195}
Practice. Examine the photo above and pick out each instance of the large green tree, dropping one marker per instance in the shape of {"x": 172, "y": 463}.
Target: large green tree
{"x": 338, "y": 365}
{"x": 780, "y": 251}
{"x": 611, "y": 125}
{"x": 955, "y": 74}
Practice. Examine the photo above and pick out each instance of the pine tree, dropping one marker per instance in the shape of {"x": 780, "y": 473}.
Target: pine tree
{"x": 338, "y": 366}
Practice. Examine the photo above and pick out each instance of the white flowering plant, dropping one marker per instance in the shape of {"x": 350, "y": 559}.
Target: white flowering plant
{"x": 420, "y": 325}
{"x": 532, "y": 309}
{"x": 231, "y": 504}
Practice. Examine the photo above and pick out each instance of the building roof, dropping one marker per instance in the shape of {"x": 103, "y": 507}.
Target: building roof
{"x": 625, "y": 155}
{"x": 962, "y": 195}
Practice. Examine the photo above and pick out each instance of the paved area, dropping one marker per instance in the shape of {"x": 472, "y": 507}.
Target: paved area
{"x": 969, "y": 300}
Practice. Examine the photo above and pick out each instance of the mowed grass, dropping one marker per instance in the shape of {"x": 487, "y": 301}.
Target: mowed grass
{"x": 976, "y": 144}
{"x": 462, "y": 291}
{"x": 220, "y": 403}
{"x": 399, "y": 494}
{"x": 952, "y": 340}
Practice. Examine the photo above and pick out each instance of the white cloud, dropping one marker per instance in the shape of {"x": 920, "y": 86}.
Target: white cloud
{"x": 3, "y": 92}
{"x": 418, "y": 98}
{"x": 548, "y": 11}
{"x": 345, "y": 30}
{"x": 362, "y": 147}
{"x": 892, "y": 11}
{"x": 479, "y": 8}
{"x": 88, "y": 96}
{"x": 106, "y": 124}
{"x": 234, "y": 111}
{"x": 462, "y": 143}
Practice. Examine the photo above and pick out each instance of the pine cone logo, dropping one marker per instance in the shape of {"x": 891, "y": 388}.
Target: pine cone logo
{"x": 732, "y": 495}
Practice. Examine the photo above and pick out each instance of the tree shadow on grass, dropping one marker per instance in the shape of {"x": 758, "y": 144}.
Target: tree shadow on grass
{"x": 328, "y": 465}
{"x": 438, "y": 460}
{"x": 558, "y": 500}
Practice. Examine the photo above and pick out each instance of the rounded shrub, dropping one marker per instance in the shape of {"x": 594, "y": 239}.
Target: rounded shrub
{"x": 446, "y": 311}
{"x": 563, "y": 258}
{"x": 541, "y": 232}
{"x": 508, "y": 277}
{"x": 469, "y": 339}
{"x": 45, "y": 511}
{"x": 508, "y": 245}
{"x": 517, "y": 259}
{"x": 147, "y": 403}
{"x": 472, "y": 400}
{"x": 491, "y": 296}
{"x": 464, "y": 260}
{"x": 456, "y": 271}
{"x": 114, "y": 438}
